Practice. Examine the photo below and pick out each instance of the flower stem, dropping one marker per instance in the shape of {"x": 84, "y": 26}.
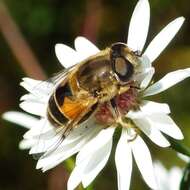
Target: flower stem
{"x": 70, "y": 164}
{"x": 179, "y": 147}
{"x": 185, "y": 182}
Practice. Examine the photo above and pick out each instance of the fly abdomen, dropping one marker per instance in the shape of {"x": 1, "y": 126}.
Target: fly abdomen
{"x": 55, "y": 116}
{"x": 54, "y": 112}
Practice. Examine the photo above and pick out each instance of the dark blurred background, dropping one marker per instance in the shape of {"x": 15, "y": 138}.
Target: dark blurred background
{"x": 29, "y": 29}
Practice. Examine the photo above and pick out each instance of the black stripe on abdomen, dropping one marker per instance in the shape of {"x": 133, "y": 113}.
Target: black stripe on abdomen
{"x": 54, "y": 115}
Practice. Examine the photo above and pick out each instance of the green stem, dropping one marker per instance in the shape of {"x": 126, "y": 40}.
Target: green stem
{"x": 179, "y": 147}
{"x": 70, "y": 164}
{"x": 185, "y": 182}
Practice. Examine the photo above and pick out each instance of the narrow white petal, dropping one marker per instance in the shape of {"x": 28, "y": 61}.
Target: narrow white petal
{"x": 20, "y": 118}
{"x": 145, "y": 63}
{"x": 147, "y": 79}
{"x": 75, "y": 177}
{"x": 46, "y": 138}
{"x": 159, "y": 43}
{"x": 66, "y": 55}
{"x": 64, "y": 150}
{"x": 143, "y": 71}
{"x": 144, "y": 161}
{"x": 29, "y": 83}
{"x": 95, "y": 144}
{"x": 42, "y": 126}
{"x": 139, "y": 24}
{"x": 167, "y": 81}
{"x": 29, "y": 97}
{"x": 54, "y": 160}
{"x": 184, "y": 157}
{"x": 123, "y": 160}
{"x": 162, "y": 176}
{"x": 36, "y": 87}
{"x": 85, "y": 48}
{"x": 42, "y": 146}
{"x": 95, "y": 155}
{"x": 135, "y": 114}
{"x": 175, "y": 177}
{"x": 32, "y": 97}
{"x": 80, "y": 132}
{"x": 36, "y": 108}
{"x": 83, "y": 129}
{"x": 153, "y": 133}
{"x": 165, "y": 124}
{"x": 95, "y": 163}
{"x": 149, "y": 107}
{"x": 26, "y": 144}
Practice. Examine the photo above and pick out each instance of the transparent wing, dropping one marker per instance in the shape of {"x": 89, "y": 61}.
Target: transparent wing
{"x": 44, "y": 135}
{"x": 48, "y": 139}
{"x": 43, "y": 89}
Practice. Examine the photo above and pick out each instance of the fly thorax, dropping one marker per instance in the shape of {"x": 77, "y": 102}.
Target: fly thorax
{"x": 97, "y": 78}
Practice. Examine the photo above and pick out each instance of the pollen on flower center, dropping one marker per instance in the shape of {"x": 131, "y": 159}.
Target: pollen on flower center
{"x": 108, "y": 114}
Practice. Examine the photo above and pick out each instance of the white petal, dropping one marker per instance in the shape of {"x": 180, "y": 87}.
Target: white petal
{"x": 95, "y": 144}
{"x": 95, "y": 154}
{"x": 153, "y": 133}
{"x": 66, "y": 55}
{"x": 63, "y": 151}
{"x": 75, "y": 177}
{"x": 36, "y": 87}
{"x": 139, "y": 24}
{"x": 29, "y": 97}
{"x": 26, "y": 144}
{"x": 96, "y": 163}
{"x": 42, "y": 146}
{"x": 36, "y": 108}
{"x": 149, "y": 107}
{"x": 46, "y": 138}
{"x": 175, "y": 177}
{"x": 165, "y": 124}
{"x": 41, "y": 127}
{"x": 147, "y": 79}
{"x": 167, "y": 81}
{"x": 143, "y": 71}
{"x": 32, "y": 97}
{"x": 162, "y": 176}
{"x": 84, "y": 47}
{"x": 20, "y": 118}
{"x": 159, "y": 43}
{"x": 144, "y": 161}
{"x": 145, "y": 63}
{"x": 123, "y": 160}
{"x": 184, "y": 157}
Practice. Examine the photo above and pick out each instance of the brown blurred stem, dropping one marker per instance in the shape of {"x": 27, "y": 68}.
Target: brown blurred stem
{"x": 92, "y": 20}
{"x": 29, "y": 63}
{"x": 19, "y": 46}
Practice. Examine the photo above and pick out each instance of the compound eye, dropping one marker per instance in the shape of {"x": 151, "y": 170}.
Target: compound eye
{"x": 123, "y": 68}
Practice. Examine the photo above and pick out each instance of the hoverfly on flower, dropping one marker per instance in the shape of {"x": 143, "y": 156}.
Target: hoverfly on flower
{"x": 99, "y": 91}
{"x": 103, "y": 84}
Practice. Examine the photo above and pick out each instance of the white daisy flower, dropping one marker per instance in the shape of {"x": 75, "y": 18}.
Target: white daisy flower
{"x": 168, "y": 179}
{"x": 93, "y": 143}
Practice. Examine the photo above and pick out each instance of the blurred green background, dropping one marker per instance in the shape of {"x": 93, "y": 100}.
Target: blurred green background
{"x": 29, "y": 29}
